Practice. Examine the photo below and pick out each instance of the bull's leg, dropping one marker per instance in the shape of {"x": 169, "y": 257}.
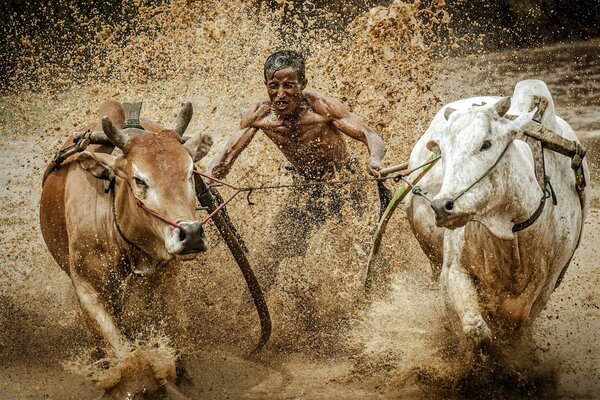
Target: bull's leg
{"x": 518, "y": 311}
{"x": 422, "y": 222}
{"x": 461, "y": 292}
{"x": 90, "y": 301}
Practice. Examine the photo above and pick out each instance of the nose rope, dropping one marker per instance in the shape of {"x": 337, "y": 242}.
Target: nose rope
{"x": 140, "y": 204}
{"x": 484, "y": 175}
{"x": 236, "y": 191}
{"x": 418, "y": 192}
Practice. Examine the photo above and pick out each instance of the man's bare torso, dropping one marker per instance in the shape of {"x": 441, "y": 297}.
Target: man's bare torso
{"x": 309, "y": 140}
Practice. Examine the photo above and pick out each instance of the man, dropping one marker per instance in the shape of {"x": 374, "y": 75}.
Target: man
{"x": 308, "y": 128}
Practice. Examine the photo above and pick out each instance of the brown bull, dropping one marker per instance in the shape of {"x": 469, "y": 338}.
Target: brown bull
{"x": 145, "y": 220}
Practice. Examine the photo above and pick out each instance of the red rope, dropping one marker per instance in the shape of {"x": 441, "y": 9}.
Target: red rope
{"x": 167, "y": 221}
{"x": 236, "y": 189}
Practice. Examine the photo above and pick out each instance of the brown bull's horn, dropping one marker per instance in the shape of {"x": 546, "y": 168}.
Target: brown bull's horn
{"x": 115, "y": 135}
{"x": 184, "y": 118}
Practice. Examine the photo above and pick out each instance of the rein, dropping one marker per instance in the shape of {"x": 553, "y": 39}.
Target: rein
{"x": 140, "y": 204}
{"x": 547, "y": 192}
{"x": 250, "y": 189}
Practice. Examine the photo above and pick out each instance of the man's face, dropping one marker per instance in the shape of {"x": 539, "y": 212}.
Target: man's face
{"x": 285, "y": 90}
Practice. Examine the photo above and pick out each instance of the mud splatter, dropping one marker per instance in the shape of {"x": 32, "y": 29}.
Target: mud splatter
{"x": 389, "y": 65}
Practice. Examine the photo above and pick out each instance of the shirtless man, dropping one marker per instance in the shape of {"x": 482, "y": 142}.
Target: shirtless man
{"x": 308, "y": 128}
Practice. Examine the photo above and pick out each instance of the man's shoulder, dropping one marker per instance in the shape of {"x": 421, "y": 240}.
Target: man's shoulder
{"x": 323, "y": 105}
{"x": 258, "y": 111}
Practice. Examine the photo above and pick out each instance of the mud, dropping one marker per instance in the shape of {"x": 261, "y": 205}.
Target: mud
{"x": 329, "y": 340}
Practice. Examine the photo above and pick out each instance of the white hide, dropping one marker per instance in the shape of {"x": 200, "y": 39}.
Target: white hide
{"x": 493, "y": 278}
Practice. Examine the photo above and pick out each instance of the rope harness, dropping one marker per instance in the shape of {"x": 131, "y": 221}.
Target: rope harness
{"x": 113, "y": 195}
{"x": 547, "y": 190}
{"x": 537, "y": 144}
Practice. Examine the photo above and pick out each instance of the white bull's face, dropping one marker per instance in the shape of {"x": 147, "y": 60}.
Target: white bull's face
{"x": 470, "y": 144}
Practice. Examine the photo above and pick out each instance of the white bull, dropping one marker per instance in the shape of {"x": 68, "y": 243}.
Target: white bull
{"x": 496, "y": 281}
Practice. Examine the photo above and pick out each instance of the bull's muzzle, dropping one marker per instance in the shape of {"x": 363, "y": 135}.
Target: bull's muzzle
{"x": 191, "y": 236}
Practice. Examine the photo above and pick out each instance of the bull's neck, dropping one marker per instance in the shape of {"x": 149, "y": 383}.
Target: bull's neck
{"x": 523, "y": 188}
{"x": 519, "y": 197}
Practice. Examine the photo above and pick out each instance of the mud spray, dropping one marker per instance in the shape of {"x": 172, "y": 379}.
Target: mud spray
{"x": 389, "y": 65}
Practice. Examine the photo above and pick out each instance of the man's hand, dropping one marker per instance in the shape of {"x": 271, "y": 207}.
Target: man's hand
{"x": 373, "y": 167}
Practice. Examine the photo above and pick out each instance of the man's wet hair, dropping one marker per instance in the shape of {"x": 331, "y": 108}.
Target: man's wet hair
{"x": 285, "y": 59}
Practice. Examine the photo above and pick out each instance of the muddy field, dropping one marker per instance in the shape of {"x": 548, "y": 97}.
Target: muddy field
{"x": 329, "y": 340}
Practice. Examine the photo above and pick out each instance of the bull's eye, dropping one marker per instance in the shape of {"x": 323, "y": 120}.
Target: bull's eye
{"x": 486, "y": 145}
{"x": 139, "y": 181}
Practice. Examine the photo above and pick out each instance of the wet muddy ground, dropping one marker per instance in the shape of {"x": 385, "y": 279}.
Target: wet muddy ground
{"x": 329, "y": 341}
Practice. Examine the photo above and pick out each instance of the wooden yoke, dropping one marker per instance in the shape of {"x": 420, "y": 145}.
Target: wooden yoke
{"x": 539, "y": 137}
{"x": 207, "y": 199}
{"x": 554, "y": 142}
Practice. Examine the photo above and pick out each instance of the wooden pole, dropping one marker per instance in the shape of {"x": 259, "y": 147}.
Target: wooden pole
{"x": 394, "y": 168}
{"x": 208, "y": 200}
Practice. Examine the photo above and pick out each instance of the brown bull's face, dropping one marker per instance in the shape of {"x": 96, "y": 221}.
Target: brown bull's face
{"x": 159, "y": 172}
{"x": 156, "y": 170}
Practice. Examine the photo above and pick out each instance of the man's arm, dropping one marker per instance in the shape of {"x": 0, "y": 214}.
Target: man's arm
{"x": 353, "y": 126}
{"x": 221, "y": 164}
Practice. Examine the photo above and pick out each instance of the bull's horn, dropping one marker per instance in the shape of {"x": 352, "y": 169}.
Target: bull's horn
{"x": 184, "y": 118}
{"x": 448, "y": 111}
{"x": 115, "y": 135}
{"x": 502, "y": 106}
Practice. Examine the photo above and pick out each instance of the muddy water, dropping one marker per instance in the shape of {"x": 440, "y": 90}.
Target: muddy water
{"x": 329, "y": 341}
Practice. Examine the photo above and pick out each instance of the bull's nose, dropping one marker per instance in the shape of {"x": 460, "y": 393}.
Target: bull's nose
{"x": 191, "y": 236}
{"x": 443, "y": 208}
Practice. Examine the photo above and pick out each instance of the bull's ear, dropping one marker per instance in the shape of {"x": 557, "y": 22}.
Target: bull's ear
{"x": 100, "y": 165}
{"x": 434, "y": 146}
{"x": 198, "y": 146}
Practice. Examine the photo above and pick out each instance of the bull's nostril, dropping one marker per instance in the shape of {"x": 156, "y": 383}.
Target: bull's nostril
{"x": 449, "y": 205}
{"x": 181, "y": 234}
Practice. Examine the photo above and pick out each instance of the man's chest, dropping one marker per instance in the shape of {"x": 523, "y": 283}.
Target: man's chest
{"x": 308, "y": 128}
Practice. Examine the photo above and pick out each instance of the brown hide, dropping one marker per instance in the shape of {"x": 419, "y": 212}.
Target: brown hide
{"x": 52, "y": 202}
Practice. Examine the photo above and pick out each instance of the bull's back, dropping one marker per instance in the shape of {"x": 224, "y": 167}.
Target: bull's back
{"x": 53, "y": 206}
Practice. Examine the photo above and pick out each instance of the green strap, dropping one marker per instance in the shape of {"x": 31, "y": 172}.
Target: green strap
{"x": 484, "y": 175}
{"x": 399, "y": 195}
{"x": 132, "y": 123}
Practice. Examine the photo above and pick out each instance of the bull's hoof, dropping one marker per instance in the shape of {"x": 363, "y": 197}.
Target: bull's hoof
{"x": 140, "y": 375}
{"x": 477, "y": 331}
{"x": 514, "y": 312}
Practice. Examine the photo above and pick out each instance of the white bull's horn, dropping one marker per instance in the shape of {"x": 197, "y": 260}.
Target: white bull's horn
{"x": 115, "y": 135}
{"x": 502, "y": 106}
{"x": 448, "y": 111}
{"x": 184, "y": 118}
